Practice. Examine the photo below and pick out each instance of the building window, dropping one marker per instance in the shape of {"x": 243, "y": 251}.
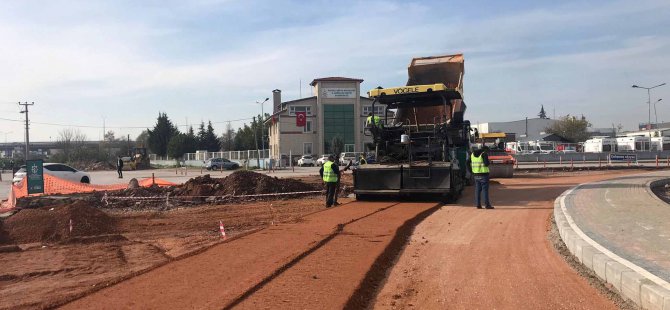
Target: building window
{"x": 379, "y": 110}
{"x": 307, "y": 148}
{"x": 299, "y": 108}
{"x": 338, "y": 123}
{"x": 349, "y": 148}
{"x": 308, "y": 127}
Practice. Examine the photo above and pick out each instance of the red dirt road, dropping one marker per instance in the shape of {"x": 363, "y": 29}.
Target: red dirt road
{"x": 321, "y": 259}
{"x": 464, "y": 258}
{"x": 458, "y": 257}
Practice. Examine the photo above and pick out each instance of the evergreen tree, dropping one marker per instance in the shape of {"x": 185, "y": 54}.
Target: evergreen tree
{"x": 211, "y": 141}
{"x": 190, "y": 141}
{"x": 160, "y": 136}
{"x": 177, "y": 146}
{"x": 542, "y": 114}
{"x": 201, "y": 136}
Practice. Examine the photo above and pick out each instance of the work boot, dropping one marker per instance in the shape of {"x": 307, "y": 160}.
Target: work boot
{"x": 327, "y": 206}
{"x": 490, "y": 207}
{"x": 479, "y": 207}
{"x": 336, "y": 203}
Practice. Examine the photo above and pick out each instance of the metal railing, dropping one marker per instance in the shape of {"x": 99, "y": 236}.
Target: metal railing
{"x": 231, "y": 155}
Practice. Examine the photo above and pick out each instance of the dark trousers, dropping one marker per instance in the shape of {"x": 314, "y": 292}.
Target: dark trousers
{"x": 482, "y": 187}
{"x": 337, "y": 191}
{"x": 331, "y": 188}
{"x": 119, "y": 170}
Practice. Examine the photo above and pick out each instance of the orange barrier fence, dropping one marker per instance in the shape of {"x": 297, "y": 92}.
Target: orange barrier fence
{"x": 55, "y": 186}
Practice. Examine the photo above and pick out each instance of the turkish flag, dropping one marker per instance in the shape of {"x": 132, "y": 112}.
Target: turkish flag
{"x": 301, "y": 119}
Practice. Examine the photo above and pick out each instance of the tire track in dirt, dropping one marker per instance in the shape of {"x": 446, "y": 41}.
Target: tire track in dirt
{"x": 228, "y": 272}
{"x": 348, "y": 270}
{"x": 282, "y": 269}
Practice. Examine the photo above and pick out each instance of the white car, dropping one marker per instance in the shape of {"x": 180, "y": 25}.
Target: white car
{"x": 345, "y": 157}
{"x": 60, "y": 171}
{"x": 305, "y": 160}
{"x": 322, "y": 160}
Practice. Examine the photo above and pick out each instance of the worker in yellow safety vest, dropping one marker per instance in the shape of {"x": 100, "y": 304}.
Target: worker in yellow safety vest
{"x": 478, "y": 165}
{"x": 373, "y": 121}
{"x": 330, "y": 173}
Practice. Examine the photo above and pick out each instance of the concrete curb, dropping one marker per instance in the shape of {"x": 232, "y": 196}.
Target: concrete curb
{"x": 631, "y": 281}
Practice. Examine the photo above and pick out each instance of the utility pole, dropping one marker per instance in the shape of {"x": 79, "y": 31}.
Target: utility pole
{"x": 25, "y": 105}
{"x": 262, "y": 126}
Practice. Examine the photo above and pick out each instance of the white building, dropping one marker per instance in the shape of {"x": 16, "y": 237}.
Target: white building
{"x": 530, "y": 129}
{"x": 337, "y": 110}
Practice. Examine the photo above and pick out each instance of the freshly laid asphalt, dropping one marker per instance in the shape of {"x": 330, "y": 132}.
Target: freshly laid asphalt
{"x": 624, "y": 216}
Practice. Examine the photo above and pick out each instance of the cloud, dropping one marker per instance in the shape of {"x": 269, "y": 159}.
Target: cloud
{"x": 213, "y": 59}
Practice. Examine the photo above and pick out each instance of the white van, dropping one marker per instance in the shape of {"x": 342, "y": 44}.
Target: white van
{"x": 600, "y": 145}
{"x": 660, "y": 144}
{"x": 633, "y": 144}
{"x": 518, "y": 148}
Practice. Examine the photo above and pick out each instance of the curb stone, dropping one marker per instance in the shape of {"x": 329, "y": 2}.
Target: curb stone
{"x": 628, "y": 282}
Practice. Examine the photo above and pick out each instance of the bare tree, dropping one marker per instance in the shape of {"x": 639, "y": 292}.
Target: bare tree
{"x": 71, "y": 141}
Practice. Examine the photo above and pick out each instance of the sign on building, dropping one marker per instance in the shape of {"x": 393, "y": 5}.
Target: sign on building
{"x": 348, "y": 93}
{"x": 35, "y": 176}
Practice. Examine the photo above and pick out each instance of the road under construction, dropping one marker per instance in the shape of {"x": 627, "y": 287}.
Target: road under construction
{"x": 383, "y": 254}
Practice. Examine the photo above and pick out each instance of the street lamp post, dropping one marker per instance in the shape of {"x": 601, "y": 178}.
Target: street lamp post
{"x": 656, "y": 115}
{"x": 263, "y": 125}
{"x": 648, "y": 100}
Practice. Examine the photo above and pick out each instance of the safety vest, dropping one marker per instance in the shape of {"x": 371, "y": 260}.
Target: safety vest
{"x": 478, "y": 164}
{"x": 374, "y": 120}
{"x": 329, "y": 175}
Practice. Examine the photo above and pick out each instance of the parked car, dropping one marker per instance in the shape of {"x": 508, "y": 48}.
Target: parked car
{"x": 61, "y": 171}
{"x": 305, "y": 160}
{"x": 220, "y": 163}
{"x": 345, "y": 157}
{"x": 322, "y": 160}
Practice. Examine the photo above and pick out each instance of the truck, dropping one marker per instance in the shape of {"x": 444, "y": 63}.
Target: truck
{"x": 422, "y": 148}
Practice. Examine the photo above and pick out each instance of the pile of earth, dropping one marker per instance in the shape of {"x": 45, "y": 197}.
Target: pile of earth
{"x": 199, "y": 186}
{"x": 52, "y": 224}
{"x": 4, "y": 236}
{"x": 152, "y": 191}
{"x": 242, "y": 183}
{"x": 87, "y": 165}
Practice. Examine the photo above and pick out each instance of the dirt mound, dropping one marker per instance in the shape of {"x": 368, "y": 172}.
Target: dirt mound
{"x": 200, "y": 186}
{"x": 249, "y": 183}
{"x": 4, "y": 237}
{"x": 53, "y": 224}
{"x": 242, "y": 183}
{"x": 152, "y": 191}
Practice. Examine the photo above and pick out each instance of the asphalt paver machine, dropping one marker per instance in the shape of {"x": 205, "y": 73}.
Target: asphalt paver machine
{"x": 421, "y": 149}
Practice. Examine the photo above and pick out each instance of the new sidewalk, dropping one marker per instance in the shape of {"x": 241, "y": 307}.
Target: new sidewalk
{"x": 621, "y": 230}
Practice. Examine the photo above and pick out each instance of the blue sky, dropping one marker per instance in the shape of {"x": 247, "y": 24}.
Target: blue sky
{"x": 124, "y": 61}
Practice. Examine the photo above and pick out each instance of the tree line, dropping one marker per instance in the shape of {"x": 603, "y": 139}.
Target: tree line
{"x": 165, "y": 139}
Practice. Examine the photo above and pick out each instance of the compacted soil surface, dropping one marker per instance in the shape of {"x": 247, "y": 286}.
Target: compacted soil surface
{"x": 295, "y": 254}
{"x": 465, "y": 258}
